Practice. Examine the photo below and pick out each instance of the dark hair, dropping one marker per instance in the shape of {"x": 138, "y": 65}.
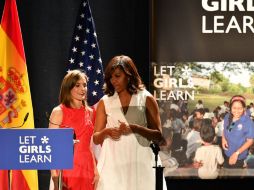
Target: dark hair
{"x": 172, "y": 114}
{"x": 126, "y": 64}
{"x": 197, "y": 123}
{"x": 69, "y": 81}
{"x": 207, "y": 132}
{"x": 238, "y": 98}
{"x": 200, "y": 110}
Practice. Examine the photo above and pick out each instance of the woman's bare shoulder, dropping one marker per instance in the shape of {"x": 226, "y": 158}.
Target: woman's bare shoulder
{"x": 57, "y": 109}
{"x": 57, "y": 112}
{"x": 150, "y": 101}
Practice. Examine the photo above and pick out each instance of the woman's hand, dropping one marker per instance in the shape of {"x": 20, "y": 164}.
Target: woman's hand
{"x": 55, "y": 178}
{"x": 224, "y": 143}
{"x": 56, "y": 182}
{"x": 233, "y": 158}
{"x": 114, "y": 133}
{"x": 96, "y": 178}
{"x": 125, "y": 129}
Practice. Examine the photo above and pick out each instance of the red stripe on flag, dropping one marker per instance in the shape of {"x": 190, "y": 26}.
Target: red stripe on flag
{"x": 18, "y": 181}
{"x": 10, "y": 24}
{"x": 4, "y": 180}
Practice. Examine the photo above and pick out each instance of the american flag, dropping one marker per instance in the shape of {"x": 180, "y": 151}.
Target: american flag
{"x": 85, "y": 53}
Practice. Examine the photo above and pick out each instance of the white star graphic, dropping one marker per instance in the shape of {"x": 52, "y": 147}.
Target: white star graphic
{"x": 100, "y": 60}
{"x": 77, "y": 38}
{"x": 94, "y": 34}
{"x": 85, "y": 41}
{"x": 83, "y": 52}
{"x": 89, "y": 68}
{"x": 96, "y": 82}
{"x": 98, "y": 71}
{"x": 91, "y": 57}
{"x": 93, "y": 45}
{"x": 44, "y": 140}
{"x": 186, "y": 72}
{"x": 71, "y": 60}
{"x": 74, "y": 49}
{"x": 79, "y": 26}
{"x": 81, "y": 64}
{"x": 87, "y": 30}
{"x": 89, "y": 19}
{"x": 82, "y": 15}
{"x": 94, "y": 93}
{"x": 84, "y": 4}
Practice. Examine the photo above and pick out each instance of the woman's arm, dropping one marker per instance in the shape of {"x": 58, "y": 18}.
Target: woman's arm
{"x": 153, "y": 132}
{"x": 233, "y": 158}
{"x": 100, "y": 130}
{"x": 224, "y": 142}
{"x": 96, "y": 173}
{"x": 54, "y": 122}
{"x": 56, "y": 118}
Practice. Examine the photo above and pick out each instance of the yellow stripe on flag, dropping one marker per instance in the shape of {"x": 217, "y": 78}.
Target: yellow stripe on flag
{"x": 15, "y": 97}
{"x": 14, "y": 81}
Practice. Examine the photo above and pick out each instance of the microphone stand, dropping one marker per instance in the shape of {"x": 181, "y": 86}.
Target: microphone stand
{"x": 158, "y": 169}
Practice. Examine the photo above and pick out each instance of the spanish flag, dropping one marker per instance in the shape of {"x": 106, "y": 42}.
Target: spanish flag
{"x": 15, "y": 97}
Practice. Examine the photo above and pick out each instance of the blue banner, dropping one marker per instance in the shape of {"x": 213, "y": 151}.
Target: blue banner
{"x": 40, "y": 149}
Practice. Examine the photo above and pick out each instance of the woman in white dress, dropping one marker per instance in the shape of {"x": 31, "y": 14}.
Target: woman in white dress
{"x": 127, "y": 120}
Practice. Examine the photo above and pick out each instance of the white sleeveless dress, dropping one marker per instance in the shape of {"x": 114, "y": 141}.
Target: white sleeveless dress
{"x": 126, "y": 164}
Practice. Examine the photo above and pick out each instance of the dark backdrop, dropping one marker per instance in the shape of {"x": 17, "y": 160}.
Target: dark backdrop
{"x": 47, "y": 27}
{"x": 122, "y": 28}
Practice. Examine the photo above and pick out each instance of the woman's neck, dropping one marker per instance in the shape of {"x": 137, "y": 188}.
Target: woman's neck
{"x": 123, "y": 93}
{"x": 235, "y": 118}
{"x": 76, "y": 104}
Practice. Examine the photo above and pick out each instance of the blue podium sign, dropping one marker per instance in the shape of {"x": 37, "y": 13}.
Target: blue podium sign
{"x": 40, "y": 149}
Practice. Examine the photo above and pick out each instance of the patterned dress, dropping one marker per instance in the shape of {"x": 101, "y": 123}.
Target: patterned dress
{"x": 82, "y": 174}
{"x": 126, "y": 164}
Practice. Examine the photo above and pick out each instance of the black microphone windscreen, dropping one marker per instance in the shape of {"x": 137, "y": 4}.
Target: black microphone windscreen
{"x": 27, "y": 114}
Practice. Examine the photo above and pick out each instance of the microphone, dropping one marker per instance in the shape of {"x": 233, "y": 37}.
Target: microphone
{"x": 155, "y": 147}
{"x": 24, "y": 121}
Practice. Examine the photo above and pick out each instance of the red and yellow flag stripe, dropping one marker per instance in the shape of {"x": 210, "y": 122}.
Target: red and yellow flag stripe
{"x": 15, "y": 97}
